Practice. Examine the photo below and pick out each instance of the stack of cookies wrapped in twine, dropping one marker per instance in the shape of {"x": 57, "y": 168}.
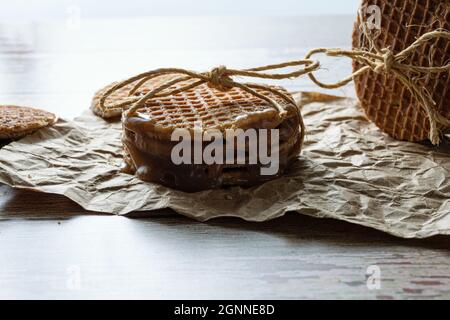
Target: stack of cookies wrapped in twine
{"x": 386, "y": 100}
{"x": 159, "y": 102}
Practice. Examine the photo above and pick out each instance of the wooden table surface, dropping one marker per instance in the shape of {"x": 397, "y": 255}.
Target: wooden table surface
{"x": 52, "y": 248}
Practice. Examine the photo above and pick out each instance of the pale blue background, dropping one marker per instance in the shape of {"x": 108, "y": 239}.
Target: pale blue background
{"x": 26, "y": 10}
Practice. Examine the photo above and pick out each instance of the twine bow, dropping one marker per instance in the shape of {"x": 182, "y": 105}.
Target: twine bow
{"x": 385, "y": 61}
{"x": 219, "y": 78}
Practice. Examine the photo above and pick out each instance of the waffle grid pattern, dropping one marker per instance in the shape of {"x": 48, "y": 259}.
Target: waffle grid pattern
{"x": 207, "y": 106}
{"x": 203, "y": 105}
{"x": 386, "y": 101}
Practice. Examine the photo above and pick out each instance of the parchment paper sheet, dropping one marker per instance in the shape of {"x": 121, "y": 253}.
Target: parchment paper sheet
{"x": 348, "y": 170}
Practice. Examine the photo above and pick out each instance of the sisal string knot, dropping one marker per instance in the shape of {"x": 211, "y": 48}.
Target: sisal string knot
{"x": 384, "y": 61}
{"x": 388, "y": 62}
{"x": 219, "y": 79}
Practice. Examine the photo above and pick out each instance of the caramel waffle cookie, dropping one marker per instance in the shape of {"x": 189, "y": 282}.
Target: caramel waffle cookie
{"x": 17, "y": 122}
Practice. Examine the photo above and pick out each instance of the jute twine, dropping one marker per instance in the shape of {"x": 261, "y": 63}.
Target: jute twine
{"x": 380, "y": 60}
{"x": 383, "y": 60}
{"x": 218, "y": 78}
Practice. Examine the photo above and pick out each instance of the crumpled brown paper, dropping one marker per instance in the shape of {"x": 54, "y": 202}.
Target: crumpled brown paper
{"x": 348, "y": 170}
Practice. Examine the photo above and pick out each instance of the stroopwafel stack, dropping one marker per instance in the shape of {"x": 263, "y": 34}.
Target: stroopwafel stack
{"x": 386, "y": 101}
{"x": 147, "y": 134}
